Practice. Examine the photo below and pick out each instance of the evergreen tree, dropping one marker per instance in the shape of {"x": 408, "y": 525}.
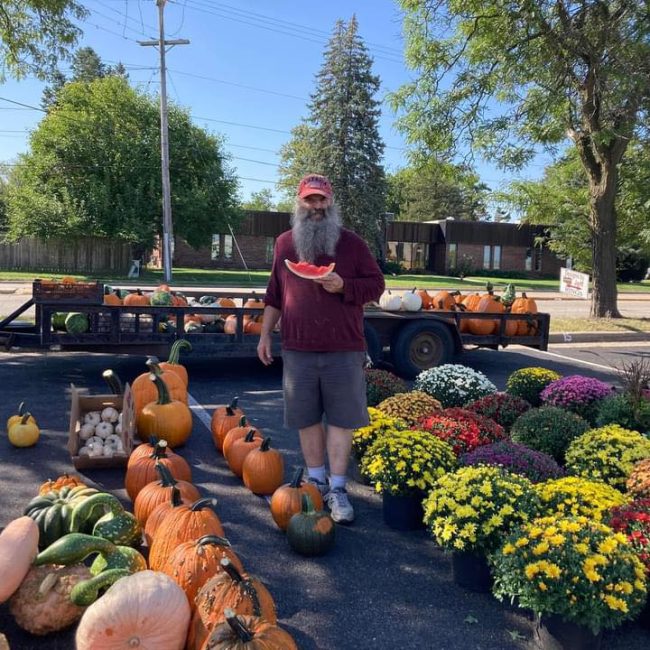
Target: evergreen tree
{"x": 340, "y": 137}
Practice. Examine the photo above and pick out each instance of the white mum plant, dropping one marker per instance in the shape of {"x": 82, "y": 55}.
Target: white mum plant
{"x": 454, "y": 384}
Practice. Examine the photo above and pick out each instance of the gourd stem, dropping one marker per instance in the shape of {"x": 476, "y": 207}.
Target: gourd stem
{"x": 175, "y": 352}
{"x": 296, "y": 481}
{"x": 153, "y": 364}
{"x": 266, "y": 444}
{"x": 21, "y": 409}
{"x": 166, "y": 477}
{"x": 163, "y": 392}
{"x": 242, "y": 421}
{"x": 25, "y": 417}
{"x": 113, "y": 381}
{"x": 243, "y": 633}
{"x": 213, "y": 539}
{"x": 159, "y": 449}
{"x": 203, "y": 503}
{"x": 230, "y": 409}
{"x": 307, "y": 505}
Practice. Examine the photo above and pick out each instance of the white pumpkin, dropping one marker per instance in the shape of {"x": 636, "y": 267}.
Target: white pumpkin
{"x": 411, "y": 301}
{"x": 93, "y": 417}
{"x": 87, "y": 431}
{"x": 103, "y": 430}
{"x": 95, "y": 440}
{"x": 146, "y": 609}
{"x": 109, "y": 414}
{"x": 390, "y": 301}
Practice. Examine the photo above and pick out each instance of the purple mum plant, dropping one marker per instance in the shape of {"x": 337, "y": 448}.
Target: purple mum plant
{"x": 578, "y": 394}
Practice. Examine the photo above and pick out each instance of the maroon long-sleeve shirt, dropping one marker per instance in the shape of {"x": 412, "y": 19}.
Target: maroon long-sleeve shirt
{"x": 314, "y": 320}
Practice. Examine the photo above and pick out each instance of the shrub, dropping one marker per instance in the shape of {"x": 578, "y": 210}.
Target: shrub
{"x": 409, "y": 406}
{"x": 621, "y": 409}
{"x": 576, "y": 393}
{"x": 580, "y": 570}
{"x": 503, "y": 408}
{"x": 573, "y": 496}
{"x": 472, "y": 508}
{"x": 528, "y": 383}
{"x": 548, "y": 429}
{"x": 381, "y": 384}
{"x": 454, "y": 384}
{"x": 380, "y": 424}
{"x": 536, "y": 466}
{"x": 607, "y": 454}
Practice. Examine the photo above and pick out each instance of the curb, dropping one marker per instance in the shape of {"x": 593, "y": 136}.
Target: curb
{"x": 598, "y": 337}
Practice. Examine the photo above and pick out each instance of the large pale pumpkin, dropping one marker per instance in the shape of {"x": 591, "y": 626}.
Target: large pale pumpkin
{"x": 144, "y": 610}
{"x": 18, "y": 547}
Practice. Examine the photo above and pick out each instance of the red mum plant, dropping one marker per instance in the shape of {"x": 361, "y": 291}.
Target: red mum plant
{"x": 462, "y": 429}
{"x": 633, "y": 520}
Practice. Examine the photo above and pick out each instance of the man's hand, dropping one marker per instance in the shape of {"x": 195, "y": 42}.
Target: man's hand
{"x": 332, "y": 283}
{"x": 264, "y": 350}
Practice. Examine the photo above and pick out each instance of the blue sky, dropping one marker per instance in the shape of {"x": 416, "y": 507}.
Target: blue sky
{"x": 247, "y": 73}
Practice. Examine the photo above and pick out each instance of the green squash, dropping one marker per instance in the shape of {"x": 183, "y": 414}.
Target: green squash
{"x": 310, "y": 532}
{"x": 207, "y": 300}
{"x": 77, "y": 323}
{"x": 58, "y": 321}
{"x": 116, "y": 525}
{"x": 161, "y": 298}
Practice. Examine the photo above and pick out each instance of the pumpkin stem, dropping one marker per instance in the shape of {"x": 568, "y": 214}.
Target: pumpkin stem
{"x": 113, "y": 381}
{"x": 159, "y": 450}
{"x": 166, "y": 477}
{"x": 163, "y": 392}
{"x": 230, "y": 409}
{"x": 243, "y": 633}
{"x": 296, "y": 481}
{"x": 213, "y": 539}
{"x": 307, "y": 504}
{"x": 250, "y": 436}
{"x": 177, "y": 346}
{"x": 266, "y": 444}
{"x": 203, "y": 503}
{"x": 230, "y": 569}
{"x": 25, "y": 417}
{"x": 176, "y": 497}
{"x": 242, "y": 421}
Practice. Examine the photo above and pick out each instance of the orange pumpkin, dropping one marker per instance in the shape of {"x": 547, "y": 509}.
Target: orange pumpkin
{"x": 160, "y": 512}
{"x": 62, "y": 481}
{"x": 253, "y": 303}
{"x": 178, "y": 299}
{"x": 230, "y": 324}
{"x": 287, "y": 499}
{"x": 263, "y": 469}
{"x": 240, "y": 448}
{"x": 226, "y": 302}
{"x": 183, "y": 524}
{"x": 142, "y": 470}
{"x": 443, "y": 301}
{"x": 248, "y": 632}
{"x": 136, "y": 299}
{"x": 253, "y": 327}
{"x": 167, "y": 419}
{"x": 145, "y": 392}
{"x": 229, "y": 589}
{"x": 157, "y": 492}
{"x": 172, "y": 362}
{"x": 237, "y": 432}
{"x": 223, "y": 420}
{"x": 484, "y": 327}
{"x": 525, "y": 305}
{"x": 112, "y": 297}
{"x": 193, "y": 563}
{"x": 471, "y": 301}
{"x": 426, "y": 299}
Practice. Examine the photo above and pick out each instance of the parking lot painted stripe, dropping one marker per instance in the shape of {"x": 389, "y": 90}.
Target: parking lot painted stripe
{"x": 199, "y": 411}
{"x": 574, "y": 360}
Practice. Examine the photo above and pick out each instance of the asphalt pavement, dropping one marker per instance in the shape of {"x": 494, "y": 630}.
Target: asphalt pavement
{"x": 377, "y": 589}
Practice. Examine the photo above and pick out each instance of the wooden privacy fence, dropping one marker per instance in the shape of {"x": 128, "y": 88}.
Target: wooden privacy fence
{"x": 87, "y": 255}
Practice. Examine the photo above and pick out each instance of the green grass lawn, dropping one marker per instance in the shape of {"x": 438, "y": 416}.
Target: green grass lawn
{"x": 220, "y": 278}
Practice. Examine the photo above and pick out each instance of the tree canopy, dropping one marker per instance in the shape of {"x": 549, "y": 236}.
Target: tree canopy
{"x": 506, "y": 77}
{"x": 93, "y": 168}
{"x": 36, "y": 34}
{"x": 340, "y": 138}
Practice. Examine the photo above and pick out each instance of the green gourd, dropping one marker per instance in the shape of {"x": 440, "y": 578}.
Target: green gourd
{"x": 77, "y": 323}
{"x": 117, "y": 525}
{"x": 310, "y": 532}
{"x": 86, "y": 593}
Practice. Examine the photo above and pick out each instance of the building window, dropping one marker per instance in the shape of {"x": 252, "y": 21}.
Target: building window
{"x": 453, "y": 256}
{"x": 215, "y": 248}
{"x": 486, "y": 257}
{"x": 270, "y": 243}
{"x": 528, "y": 264}
{"x": 496, "y": 257}
{"x": 538, "y": 259}
{"x": 419, "y": 256}
{"x": 227, "y": 247}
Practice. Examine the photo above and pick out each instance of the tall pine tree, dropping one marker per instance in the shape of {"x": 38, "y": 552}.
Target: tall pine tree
{"x": 340, "y": 138}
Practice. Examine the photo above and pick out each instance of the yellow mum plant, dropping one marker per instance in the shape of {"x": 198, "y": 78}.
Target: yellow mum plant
{"x": 573, "y": 567}
{"x": 380, "y": 424}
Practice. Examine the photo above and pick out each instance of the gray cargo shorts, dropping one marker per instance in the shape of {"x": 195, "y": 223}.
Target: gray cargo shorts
{"x": 324, "y": 383}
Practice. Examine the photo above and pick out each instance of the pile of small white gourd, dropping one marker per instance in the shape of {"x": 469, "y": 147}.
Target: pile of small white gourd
{"x": 101, "y": 433}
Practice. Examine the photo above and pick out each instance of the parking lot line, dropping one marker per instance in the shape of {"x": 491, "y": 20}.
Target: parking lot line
{"x": 574, "y": 360}
{"x": 199, "y": 411}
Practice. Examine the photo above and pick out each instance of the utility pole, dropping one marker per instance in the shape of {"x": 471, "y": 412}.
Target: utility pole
{"x": 168, "y": 228}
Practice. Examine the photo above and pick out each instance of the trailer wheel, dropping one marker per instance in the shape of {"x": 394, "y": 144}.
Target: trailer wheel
{"x": 421, "y": 345}
{"x": 373, "y": 343}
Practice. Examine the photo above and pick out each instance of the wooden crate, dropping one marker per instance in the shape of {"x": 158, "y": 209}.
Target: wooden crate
{"x": 82, "y": 403}
{"x": 78, "y": 293}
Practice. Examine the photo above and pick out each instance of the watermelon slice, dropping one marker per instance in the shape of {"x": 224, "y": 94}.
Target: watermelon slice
{"x": 309, "y": 271}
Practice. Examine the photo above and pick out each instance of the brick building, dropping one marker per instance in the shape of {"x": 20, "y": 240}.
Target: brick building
{"x": 437, "y": 246}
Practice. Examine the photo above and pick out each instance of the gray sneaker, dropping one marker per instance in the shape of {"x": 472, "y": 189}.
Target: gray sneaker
{"x": 323, "y": 488}
{"x": 340, "y": 507}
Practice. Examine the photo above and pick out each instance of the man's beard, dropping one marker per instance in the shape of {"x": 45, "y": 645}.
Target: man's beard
{"x": 314, "y": 237}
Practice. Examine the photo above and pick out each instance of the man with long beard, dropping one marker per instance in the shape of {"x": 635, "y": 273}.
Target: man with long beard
{"x": 323, "y": 346}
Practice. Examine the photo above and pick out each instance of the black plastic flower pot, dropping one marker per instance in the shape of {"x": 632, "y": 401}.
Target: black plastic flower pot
{"x": 403, "y": 512}
{"x": 471, "y": 571}
{"x": 552, "y": 632}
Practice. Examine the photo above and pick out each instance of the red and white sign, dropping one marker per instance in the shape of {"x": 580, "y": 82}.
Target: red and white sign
{"x": 574, "y": 283}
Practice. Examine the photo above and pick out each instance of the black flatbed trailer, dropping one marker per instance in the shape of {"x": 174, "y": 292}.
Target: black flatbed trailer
{"x": 411, "y": 341}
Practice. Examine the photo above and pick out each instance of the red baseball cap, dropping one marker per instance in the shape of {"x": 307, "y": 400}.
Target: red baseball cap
{"x": 315, "y": 184}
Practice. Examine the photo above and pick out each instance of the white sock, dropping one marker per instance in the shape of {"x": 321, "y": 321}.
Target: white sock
{"x": 318, "y": 473}
{"x": 338, "y": 481}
